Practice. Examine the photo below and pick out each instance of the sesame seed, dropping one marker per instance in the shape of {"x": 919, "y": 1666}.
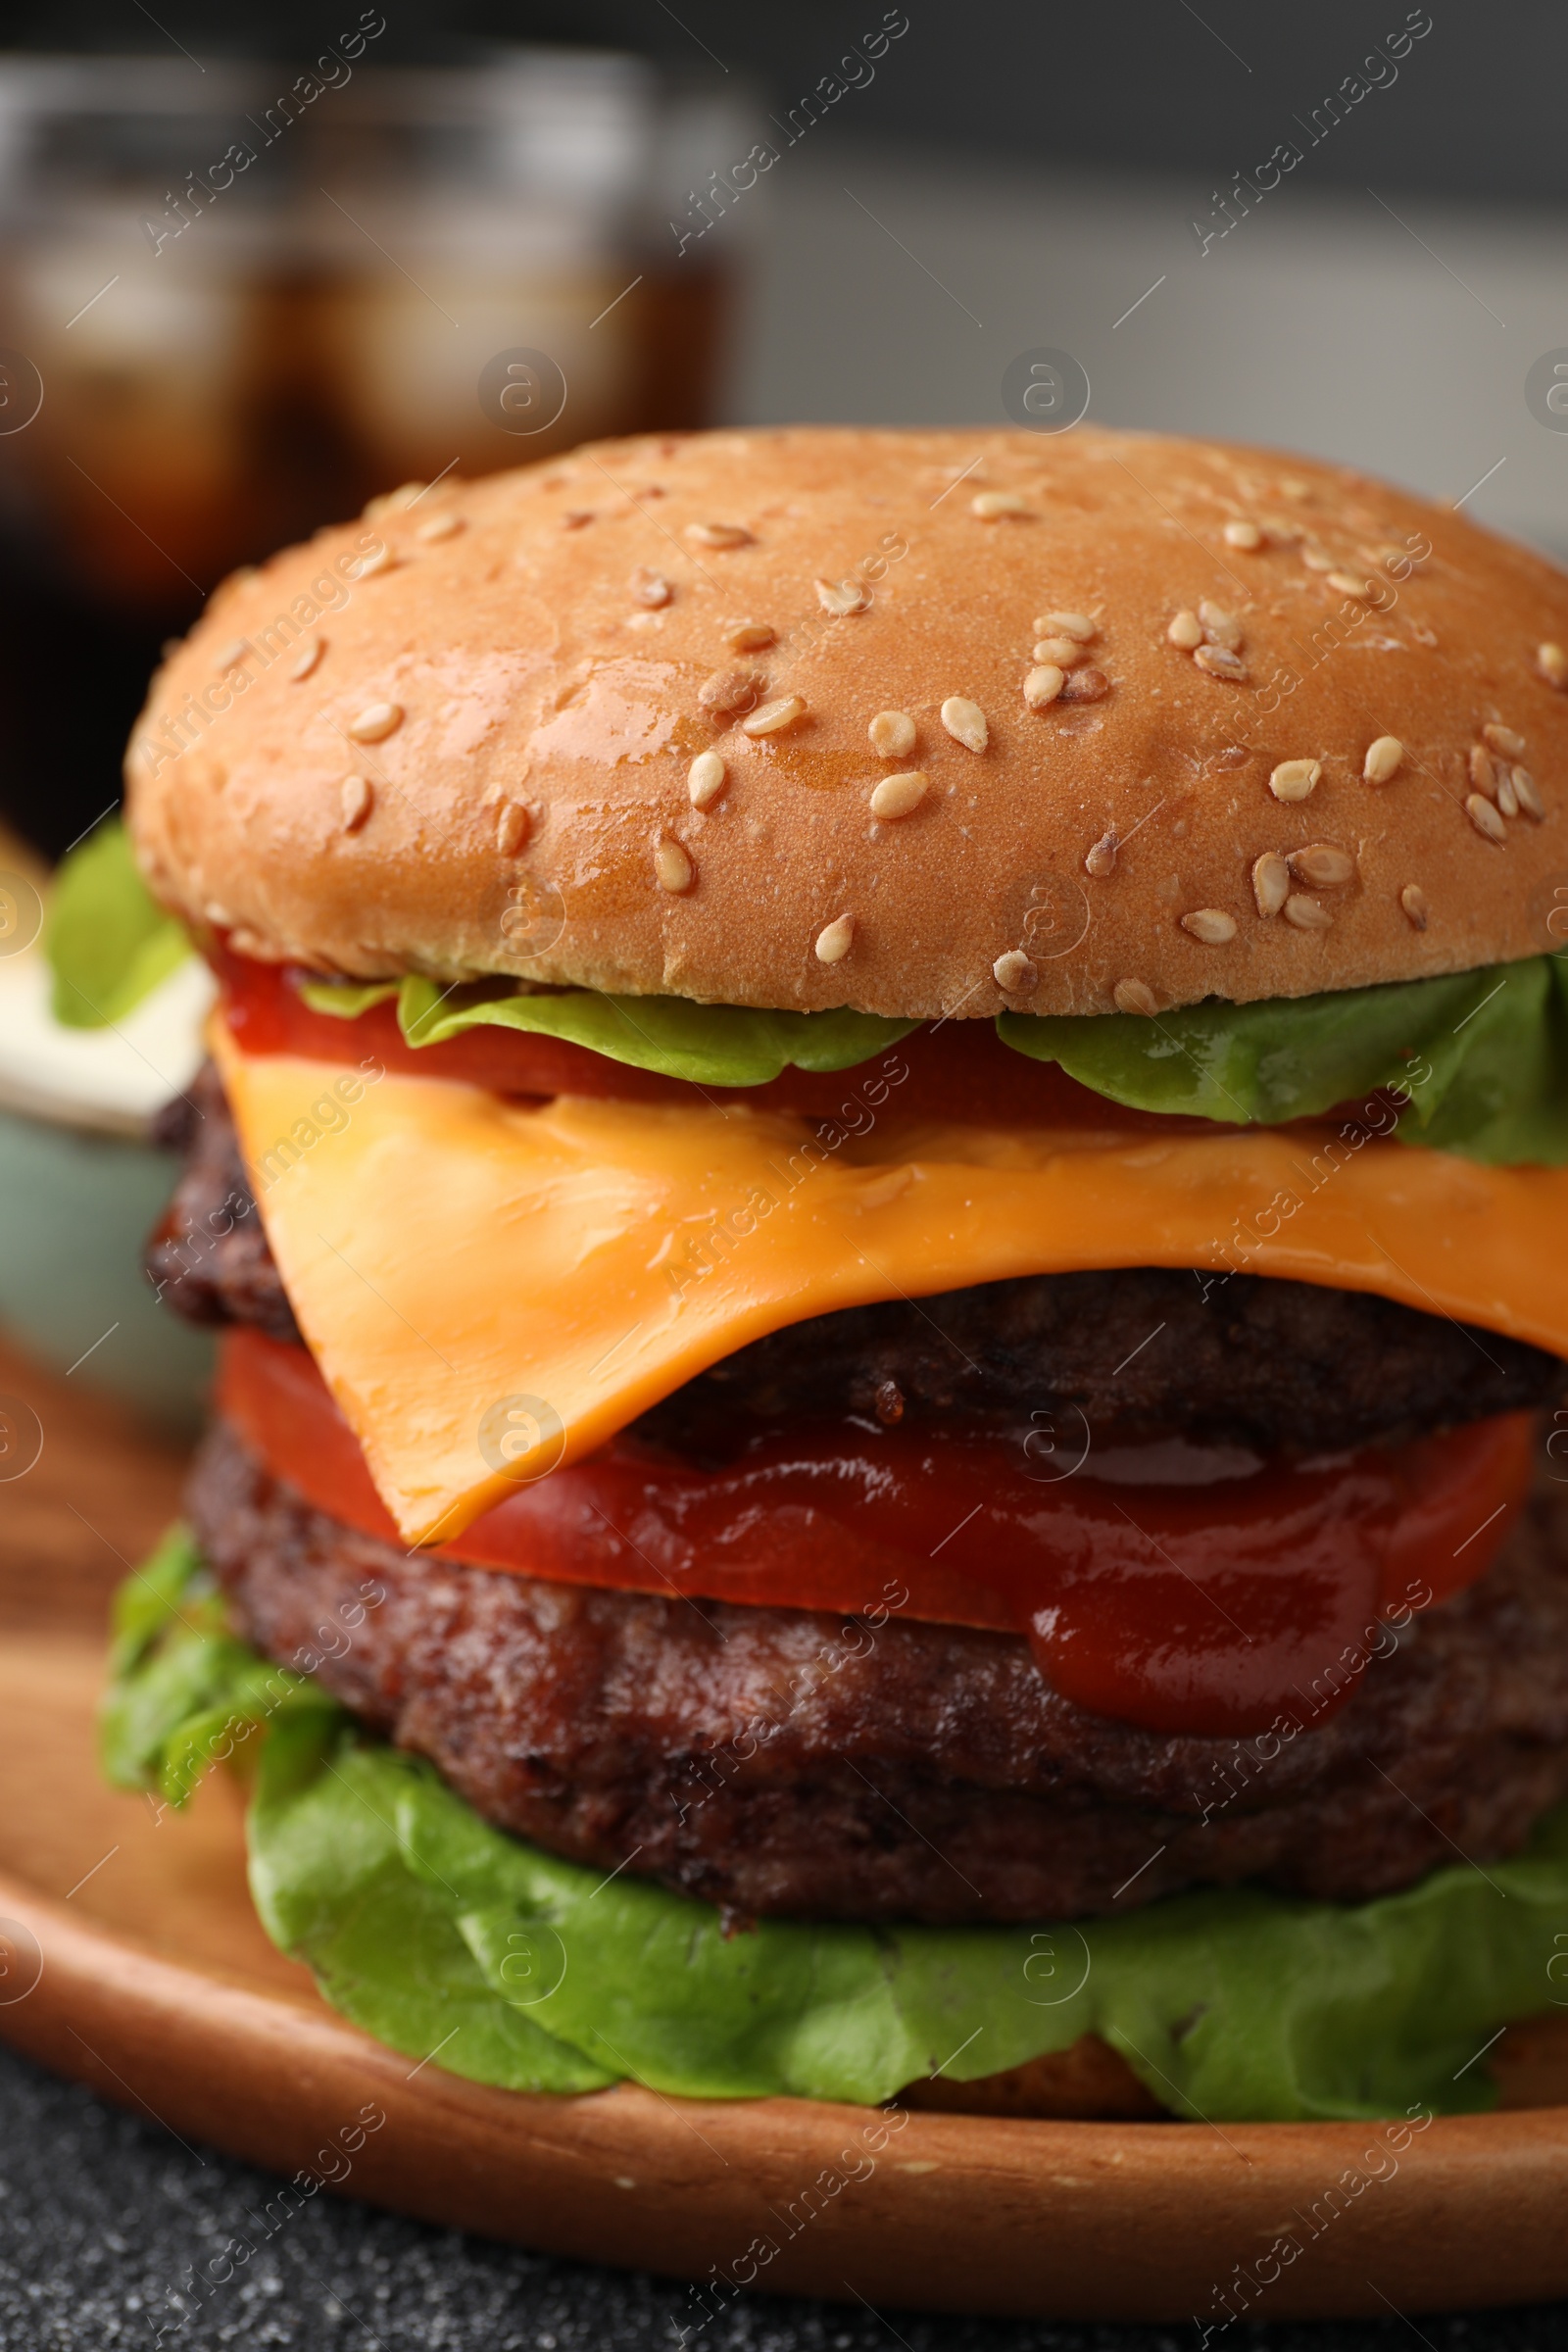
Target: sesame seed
{"x": 217, "y": 915}
{"x": 892, "y": 734}
{"x": 1349, "y": 585}
{"x": 672, "y": 868}
{"x": 355, "y": 796}
{"x": 991, "y": 505}
{"x": 1485, "y": 818}
{"x": 1064, "y": 651}
{"x": 1014, "y": 974}
{"x": 573, "y": 518}
{"x": 1217, "y": 661}
{"x": 1322, "y": 864}
{"x": 1383, "y": 758}
{"x": 717, "y": 536}
{"x": 233, "y": 655}
{"x": 1315, "y": 560}
{"x": 1100, "y": 859}
{"x": 1503, "y": 739}
{"x": 1528, "y": 799}
{"x": 406, "y": 493}
{"x": 1219, "y": 626}
{"x": 375, "y": 721}
{"x": 1305, "y": 914}
{"x": 1552, "y": 662}
{"x": 512, "y": 827}
{"x": 1211, "y": 924}
{"x": 1186, "y": 630}
{"x": 1294, "y": 780}
{"x": 1135, "y": 995}
{"x": 841, "y": 597}
{"x": 705, "y": 779}
{"x": 896, "y": 796}
{"x": 1271, "y": 882}
{"x": 650, "y": 587}
{"x": 752, "y": 636}
{"x": 965, "y": 723}
{"x": 1482, "y": 775}
{"x": 729, "y": 690}
{"x": 1086, "y": 686}
{"x": 1043, "y": 685}
{"x": 379, "y": 559}
{"x": 1076, "y": 626}
{"x": 310, "y": 653}
{"x": 440, "y": 526}
{"x": 774, "y": 717}
{"x": 833, "y": 940}
{"x": 1414, "y": 899}
{"x": 1244, "y": 535}
{"x": 1507, "y": 796}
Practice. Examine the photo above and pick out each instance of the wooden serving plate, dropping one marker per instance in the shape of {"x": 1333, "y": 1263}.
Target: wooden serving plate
{"x": 130, "y": 1959}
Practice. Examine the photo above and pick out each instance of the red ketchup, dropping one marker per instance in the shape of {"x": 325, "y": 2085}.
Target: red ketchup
{"x": 1178, "y": 1588}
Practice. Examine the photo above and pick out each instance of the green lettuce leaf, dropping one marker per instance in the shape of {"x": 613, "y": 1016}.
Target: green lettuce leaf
{"x": 445, "y": 1937}
{"x": 346, "y": 1000}
{"x": 1478, "y": 1062}
{"x": 108, "y": 941}
{"x": 707, "y": 1045}
{"x": 332, "y": 1885}
{"x": 184, "y": 1694}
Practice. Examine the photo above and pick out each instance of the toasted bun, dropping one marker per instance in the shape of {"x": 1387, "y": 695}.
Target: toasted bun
{"x": 551, "y": 648}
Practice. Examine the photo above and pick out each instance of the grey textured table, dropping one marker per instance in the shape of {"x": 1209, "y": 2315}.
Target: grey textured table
{"x": 102, "y": 2215}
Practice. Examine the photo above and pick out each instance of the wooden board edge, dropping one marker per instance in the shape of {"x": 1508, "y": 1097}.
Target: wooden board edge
{"x": 918, "y": 2211}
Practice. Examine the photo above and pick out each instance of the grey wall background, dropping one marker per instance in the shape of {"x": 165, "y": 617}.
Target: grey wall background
{"x": 1147, "y": 85}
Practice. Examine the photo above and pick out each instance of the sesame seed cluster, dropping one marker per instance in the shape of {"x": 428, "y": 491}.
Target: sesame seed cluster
{"x": 921, "y": 722}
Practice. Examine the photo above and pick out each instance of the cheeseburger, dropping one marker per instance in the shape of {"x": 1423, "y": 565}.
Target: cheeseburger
{"x": 884, "y": 1166}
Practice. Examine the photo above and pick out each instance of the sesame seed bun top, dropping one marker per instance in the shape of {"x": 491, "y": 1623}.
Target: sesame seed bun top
{"x": 911, "y": 722}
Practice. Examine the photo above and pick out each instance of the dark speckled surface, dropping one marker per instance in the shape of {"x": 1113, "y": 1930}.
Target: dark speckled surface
{"x": 103, "y": 2217}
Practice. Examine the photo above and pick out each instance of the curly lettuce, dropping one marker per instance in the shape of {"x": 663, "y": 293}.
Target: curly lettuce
{"x": 1473, "y": 1062}
{"x": 108, "y": 941}
{"x": 707, "y": 1045}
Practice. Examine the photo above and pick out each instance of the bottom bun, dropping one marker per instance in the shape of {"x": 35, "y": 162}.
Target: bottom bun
{"x": 1087, "y": 2084}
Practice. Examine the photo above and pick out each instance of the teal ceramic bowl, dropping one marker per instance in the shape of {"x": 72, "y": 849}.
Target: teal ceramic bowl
{"x": 81, "y": 1186}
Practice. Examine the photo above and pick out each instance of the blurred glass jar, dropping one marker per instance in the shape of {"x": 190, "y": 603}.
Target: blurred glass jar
{"x": 145, "y": 274}
{"x": 252, "y": 298}
{"x": 469, "y": 215}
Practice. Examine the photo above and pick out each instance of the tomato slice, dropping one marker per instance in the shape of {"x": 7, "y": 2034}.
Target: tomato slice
{"x": 1173, "y": 1588}
{"x": 953, "y": 1070}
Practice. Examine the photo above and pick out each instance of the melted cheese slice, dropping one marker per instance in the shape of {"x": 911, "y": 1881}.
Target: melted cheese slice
{"x": 490, "y": 1288}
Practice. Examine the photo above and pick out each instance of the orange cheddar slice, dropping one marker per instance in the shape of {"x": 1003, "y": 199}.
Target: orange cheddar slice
{"x": 491, "y": 1287}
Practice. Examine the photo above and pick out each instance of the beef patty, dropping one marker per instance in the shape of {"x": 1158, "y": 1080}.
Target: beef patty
{"x": 783, "y": 1761}
{"x": 1238, "y": 1359}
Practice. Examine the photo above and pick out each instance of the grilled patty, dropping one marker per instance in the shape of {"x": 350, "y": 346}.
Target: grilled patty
{"x": 1281, "y": 1366}
{"x": 784, "y": 1761}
